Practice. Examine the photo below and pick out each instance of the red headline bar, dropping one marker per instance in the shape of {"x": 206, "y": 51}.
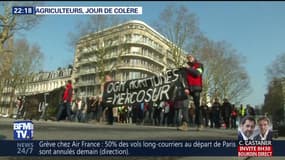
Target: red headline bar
{"x": 255, "y": 151}
{"x": 255, "y": 154}
{"x": 255, "y": 148}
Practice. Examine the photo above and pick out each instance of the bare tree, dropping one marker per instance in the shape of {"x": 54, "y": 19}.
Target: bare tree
{"x": 224, "y": 75}
{"x": 274, "y": 99}
{"x": 94, "y": 24}
{"x": 276, "y": 68}
{"x": 25, "y": 60}
{"x": 233, "y": 80}
{"x": 180, "y": 27}
{"x": 205, "y": 51}
{"x": 12, "y": 23}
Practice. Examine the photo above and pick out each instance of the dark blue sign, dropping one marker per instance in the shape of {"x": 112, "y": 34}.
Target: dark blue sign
{"x": 22, "y": 10}
{"x": 23, "y": 130}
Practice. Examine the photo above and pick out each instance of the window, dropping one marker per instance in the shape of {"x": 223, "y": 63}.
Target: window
{"x": 134, "y": 75}
{"x": 150, "y": 54}
{"x": 143, "y": 75}
{"x": 125, "y": 75}
{"x": 108, "y": 42}
{"x": 126, "y": 61}
{"x": 115, "y": 39}
{"x": 132, "y": 61}
{"x": 135, "y": 49}
{"x": 90, "y": 91}
{"x": 155, "y": 44}
{"x": 130, "y": 26}
{"x": 114, "y": 52}
{"x": 128, "y": 37}
{"x": 150, "y": 41}
{"x": 144, "y": 39}
{"x": 136, "y": 37}
{"x": 85, "y": 50}
{"x": 145, "y": 51}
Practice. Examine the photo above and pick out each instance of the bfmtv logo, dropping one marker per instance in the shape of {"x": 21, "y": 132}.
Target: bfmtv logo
{"x": 23, "y": 130}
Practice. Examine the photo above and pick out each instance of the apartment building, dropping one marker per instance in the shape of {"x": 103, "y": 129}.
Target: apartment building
{"x": 127, "y": 51}
{"x": 37, "y": 83}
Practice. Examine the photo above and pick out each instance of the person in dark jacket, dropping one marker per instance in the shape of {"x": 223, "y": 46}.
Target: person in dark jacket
{"x": 194, "y": 70}
{"x": 215, "y": 113}
{"x": 66, "y": 102}
{"x": 205, "y": 113}
{"x": 110, "y": 115}
{"x": 226, "y": 112}
{"x": 265, "y": 133}
{"x": 181, "y": 102}
{"x": 234, "y": 114}
{"x": 250, "y": 110}
{"x": 91, "y": 108}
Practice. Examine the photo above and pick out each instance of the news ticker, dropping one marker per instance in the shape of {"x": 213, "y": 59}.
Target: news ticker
{"x": 66, "y": 10}
{"x": 139, "y": 148}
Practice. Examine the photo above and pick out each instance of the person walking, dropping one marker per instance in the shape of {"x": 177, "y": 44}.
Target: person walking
{"x": 66, "y": 102}
{"x": 110, "y": 116}
{"x": 226, "y": 112}
{"x": 194, "y": 71}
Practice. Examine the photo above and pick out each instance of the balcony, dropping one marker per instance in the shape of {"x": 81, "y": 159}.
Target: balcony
{"x": 145, "y": 43}
{"x": 86, "y": 61}
{"x": 147, "y": 68}
{"x": 84, "y": 83}
{"x": 152, "y": 58}
{"x": 85, "y": 72}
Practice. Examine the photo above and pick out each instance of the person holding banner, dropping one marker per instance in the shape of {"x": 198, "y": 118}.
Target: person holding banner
{"x": 194, "y": 71}
{"x": 265, "y": 133}
{"x": 110, "y": 116}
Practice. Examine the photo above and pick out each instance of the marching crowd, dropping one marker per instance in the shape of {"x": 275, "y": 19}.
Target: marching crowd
{"x": 166, "y": 113}
{"x": 182, "y": 112}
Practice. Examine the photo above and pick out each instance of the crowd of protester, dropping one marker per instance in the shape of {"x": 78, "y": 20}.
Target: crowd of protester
{"x": 177, "y": 112}
{"x": 167, "y": 113}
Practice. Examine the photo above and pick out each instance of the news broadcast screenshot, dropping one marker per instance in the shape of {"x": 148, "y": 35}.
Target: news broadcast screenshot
{"x": 142, "y": 80}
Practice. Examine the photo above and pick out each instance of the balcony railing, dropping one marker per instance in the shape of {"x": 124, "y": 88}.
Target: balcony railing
{"x": 84, "y": 83}
{"x": 84, "y": 72}
{"x": 145, "y": 43}
{"x": 153, "y": 58}
{"x": 139, "y": 66}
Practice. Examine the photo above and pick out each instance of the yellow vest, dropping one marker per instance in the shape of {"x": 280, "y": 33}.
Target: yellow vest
{"x": 242, "y": 111}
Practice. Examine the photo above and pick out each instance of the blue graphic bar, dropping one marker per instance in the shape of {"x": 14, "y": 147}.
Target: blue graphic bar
{"x": 23, "y": 10}
{"x": 125, "y": 148}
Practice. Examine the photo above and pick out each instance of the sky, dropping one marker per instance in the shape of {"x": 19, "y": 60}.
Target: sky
{"x": 255, "y": 29}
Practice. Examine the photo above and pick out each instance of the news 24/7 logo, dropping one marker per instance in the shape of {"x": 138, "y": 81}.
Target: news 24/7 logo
{"x": 23, "y": 130}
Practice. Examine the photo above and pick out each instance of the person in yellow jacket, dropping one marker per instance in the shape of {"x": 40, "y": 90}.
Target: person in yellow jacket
{"x": 242, "y": 111}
